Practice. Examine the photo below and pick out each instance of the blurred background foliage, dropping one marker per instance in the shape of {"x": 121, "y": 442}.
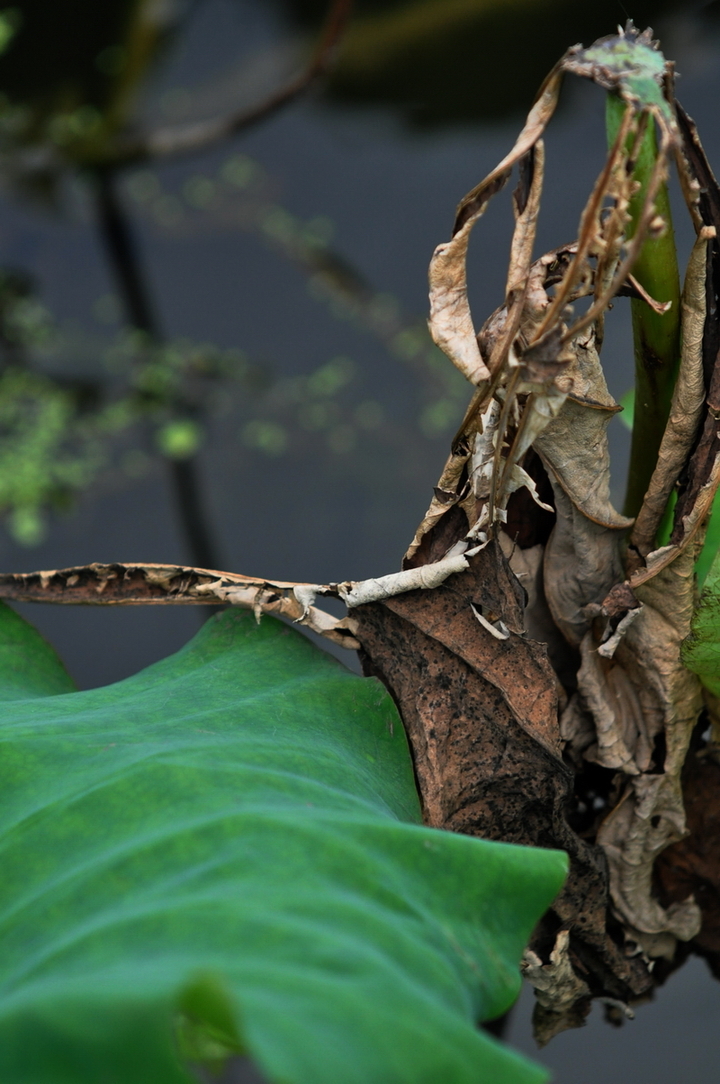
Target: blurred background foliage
{"x": 71, "y": 71}
{"x": 77, "y": 402}
{"x": 71, "y": 75}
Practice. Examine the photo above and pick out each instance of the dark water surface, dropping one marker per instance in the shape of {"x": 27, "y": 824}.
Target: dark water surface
{"x": 313, "y": 514}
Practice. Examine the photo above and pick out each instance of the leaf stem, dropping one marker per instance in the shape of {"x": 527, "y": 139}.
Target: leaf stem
{"x": 656, "y": 336}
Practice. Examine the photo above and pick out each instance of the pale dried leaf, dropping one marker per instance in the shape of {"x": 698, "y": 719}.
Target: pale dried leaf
{"x": 577, "y": 731}
{"x": 689, "y": 528}
{"x": 574, "y": 446}
{"x": 518, "y": 477}
{"x": 425, "y": 577}
{"x": 616, "y": 730}
{"x": 556, "y": 984}
{"x": 540, "y": 410}
{"x": 611, "y": 639}
{"x": 474, "y": 203}
{"x": 451, "y": 325}
{"x": 687, "y": 403}
{"x": 152, "y": 584}
{"x": 527, "y": 566}
{"x": 483, "y": 455}
{"x": 632, "y": 843}
{"x": 651, "y": 814}
{"x": 583, "y": 557}
{"x": 526, "y": 206}
{"x": 519, "y": 288}
{"x": 583, "y": 561}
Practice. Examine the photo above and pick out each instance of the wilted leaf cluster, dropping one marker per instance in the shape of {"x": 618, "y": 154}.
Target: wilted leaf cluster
{"x": 526, "y": 491}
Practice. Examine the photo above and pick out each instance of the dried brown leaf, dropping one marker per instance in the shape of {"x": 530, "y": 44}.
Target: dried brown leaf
{"x": 691, "y": 867}
{"x": 650, "y": 816}
{"x": 701, "y": 474}
{"x": 518, "y": 288}
{"x": 473, "y": 463}
{"x": 482, "y": 720}
{"x": 687, "y": 404}
{"x": 692, "y": 515}
{"x": 475, "y": 202}
{"x": 451, "y": 324}
{"x": 557, "y": 986}
{"x": 151, "y": 584}
{"x": 526, "y": 207}
{"x": 574, "y": 446}
{"x": 446, "y": 495}
{"x": 136, "y": 584}
{"x": 703, "y": 199}
{"x": 583, "y": 559}
{"x": 609, "y": 698}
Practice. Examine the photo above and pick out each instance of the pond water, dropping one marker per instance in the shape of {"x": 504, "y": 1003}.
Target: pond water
{"x": 342, "y": 497}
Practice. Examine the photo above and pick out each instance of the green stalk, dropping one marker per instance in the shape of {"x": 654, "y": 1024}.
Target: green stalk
{"x": 656, "y": 337}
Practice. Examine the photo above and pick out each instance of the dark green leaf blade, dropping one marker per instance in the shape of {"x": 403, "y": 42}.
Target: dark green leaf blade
{"x": 28, "y": 665}
{"x": 227, "y": 846}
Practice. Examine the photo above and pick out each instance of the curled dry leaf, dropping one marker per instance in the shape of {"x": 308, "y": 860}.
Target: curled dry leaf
{"x": 555, "y": 974}
{"x": 650, "y": 813}
{"x": 583, "y": 558}
{"x": 610, "y": 621}
{"x": 151, "y": 584}
{"x": 688, "y": 399}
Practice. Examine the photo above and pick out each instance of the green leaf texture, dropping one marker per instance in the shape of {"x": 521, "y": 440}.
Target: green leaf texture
{"x": 711, "y": 545}
{"x": 223, "y": 855}
{"x": 701, "y": 650}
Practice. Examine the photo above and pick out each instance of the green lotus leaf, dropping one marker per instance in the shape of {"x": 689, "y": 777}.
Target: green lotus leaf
{"x": 223, "y": 855}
